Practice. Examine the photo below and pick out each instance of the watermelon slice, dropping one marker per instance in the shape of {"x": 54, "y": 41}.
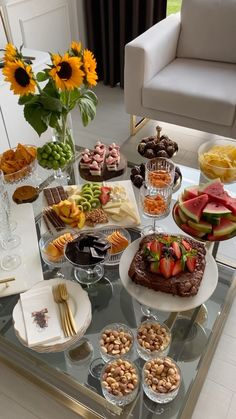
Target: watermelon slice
{"x": 213, "y": 238}
{"x": 226, "y": 226}
{"x": 191, "y": 231}
{"x": 176, "y": 215}
{"x": 182, "y": 216}
{"x": 193, "y": 207}
{"x": 231, "y": 217}
{"x": 231, "y": 204}
{"x": 215, "y": 209}
{"x": 215, "y": 221}
{"x": 190, "y": 192}
{"x": 215, "y": 190}
{"x": 203, "y": 226}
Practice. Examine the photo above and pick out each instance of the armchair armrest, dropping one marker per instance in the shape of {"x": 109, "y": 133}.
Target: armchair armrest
{"x": 146, "y": 55}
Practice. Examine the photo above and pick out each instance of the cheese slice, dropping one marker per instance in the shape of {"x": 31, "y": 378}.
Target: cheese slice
{"x": 112, "y": 210}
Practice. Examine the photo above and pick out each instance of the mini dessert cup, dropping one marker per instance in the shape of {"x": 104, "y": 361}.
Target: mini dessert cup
{"x": 116, "y": 340}
{"x": 153, "y": 339}
{"x": 120, "y": 382}
{"x": 160, "y": 173}
{"x": 155, "y": 202}
{"x": 161, "y": 379}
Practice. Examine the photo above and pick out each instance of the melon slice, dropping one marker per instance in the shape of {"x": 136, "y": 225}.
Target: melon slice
{"x": 193, "y": 207}
{"x": 231, "y": 204}
{"x": 231, "y": 217}
{"x": 226, "y": 226}
{"x": 191, "y": 231}
{"x": 203, "y": 226}
{"x": 215, "y": 221}
{"x": 213, "y": 238}
{"x": 182, "y": 216}
{"x": 215, "y": 190}
{"x": 190, "y": 192}
{"x": 215, "y": 209}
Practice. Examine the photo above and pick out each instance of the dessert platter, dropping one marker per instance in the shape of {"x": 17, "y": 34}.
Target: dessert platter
{"x": 102, "y": 163}
{"x": 80, "y": 307}
{"x": 168, "y": 272}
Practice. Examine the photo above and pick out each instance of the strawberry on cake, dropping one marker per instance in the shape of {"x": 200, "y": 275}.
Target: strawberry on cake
{"x": 171, "y": 264}
{"x": 100, "y": 148}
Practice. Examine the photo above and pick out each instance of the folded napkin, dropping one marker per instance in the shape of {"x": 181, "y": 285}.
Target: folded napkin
{"x": 40, "y": 314}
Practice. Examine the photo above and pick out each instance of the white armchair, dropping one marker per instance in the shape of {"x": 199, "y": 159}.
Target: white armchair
{"x": 183, "y": 69}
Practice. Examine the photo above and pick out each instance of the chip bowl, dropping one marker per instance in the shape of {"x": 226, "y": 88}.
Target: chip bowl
{"x": 217, "y": 159}
{"x": 19, "y": 175}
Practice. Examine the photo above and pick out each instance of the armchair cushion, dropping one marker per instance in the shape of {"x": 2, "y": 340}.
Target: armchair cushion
{"x": 194, "y": 88}
{"x": 208, "y": 30}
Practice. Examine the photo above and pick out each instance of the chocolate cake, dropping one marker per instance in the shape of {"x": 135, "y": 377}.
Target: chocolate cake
{"x": 184, "y": 283}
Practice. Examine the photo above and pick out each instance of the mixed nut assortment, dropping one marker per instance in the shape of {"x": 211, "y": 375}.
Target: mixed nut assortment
{"x": 115, "y": 342}
{"x": 120, "y": 378}
{"x": 153, "y": 336}
{"x": 161, "y": 375}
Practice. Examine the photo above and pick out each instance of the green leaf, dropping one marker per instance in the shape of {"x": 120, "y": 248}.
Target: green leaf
{"x": 41, "y": 76}
{"x": 51, "y": 103}
{"x": 51, "y": 90}
{"x": 33, "y": 114}
{"x": 87, "y": 109}
{"x": 53, "y": 119}
{"x": 24, "y": 99}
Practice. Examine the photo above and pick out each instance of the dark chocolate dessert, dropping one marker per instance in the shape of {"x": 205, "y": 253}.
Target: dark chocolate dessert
{"x": 87, "y": 249}
{"x": 171, "y": 264}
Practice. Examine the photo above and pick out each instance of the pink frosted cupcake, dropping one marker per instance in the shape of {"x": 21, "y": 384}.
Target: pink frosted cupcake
{"x": 85, "y": 161}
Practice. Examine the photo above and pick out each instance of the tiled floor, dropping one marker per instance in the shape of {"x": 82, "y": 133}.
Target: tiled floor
{"x": 21, "y": 400}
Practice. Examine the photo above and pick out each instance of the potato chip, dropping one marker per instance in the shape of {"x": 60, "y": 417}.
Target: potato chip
{"x": 14, "y": 160}
{"x": 219, "y": 161}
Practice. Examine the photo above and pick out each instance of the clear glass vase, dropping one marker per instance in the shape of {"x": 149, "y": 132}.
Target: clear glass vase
{"x": 63, "y": 133}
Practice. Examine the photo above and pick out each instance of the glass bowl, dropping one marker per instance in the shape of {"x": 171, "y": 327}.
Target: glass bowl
{"x": 114, "y": 337}
{"x": 148, "y": 331}
{"x": 54, "y": 256}
{"x": 86, "y": 272}
{"x": 122, "y": 389}
{"x": 217, "y": 159}
{"x": 154, "y": 385}
{"x": 22, "y": 174}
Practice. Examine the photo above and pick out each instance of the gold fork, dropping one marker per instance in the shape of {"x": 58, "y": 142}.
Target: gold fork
{"x": 57, "y": 299}
{"x": 65, "y": 297}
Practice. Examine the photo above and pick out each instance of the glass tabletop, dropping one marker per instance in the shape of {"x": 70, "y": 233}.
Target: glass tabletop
{"x": 77, "y": 384}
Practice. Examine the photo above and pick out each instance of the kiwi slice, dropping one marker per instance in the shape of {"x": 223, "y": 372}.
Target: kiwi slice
{"x": 88, "y": 197}
{"x": 86, "y": 206}
{"x": 80, "y": 200}
{"x": 87, "y": 185}
{"x": 95, "y": 203}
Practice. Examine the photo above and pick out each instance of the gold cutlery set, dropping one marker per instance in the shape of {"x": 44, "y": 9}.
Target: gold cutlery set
{"x": 61, "y": 296}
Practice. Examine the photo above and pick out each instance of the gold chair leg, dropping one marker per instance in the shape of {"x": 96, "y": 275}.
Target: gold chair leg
{"x": 136, "y": 126}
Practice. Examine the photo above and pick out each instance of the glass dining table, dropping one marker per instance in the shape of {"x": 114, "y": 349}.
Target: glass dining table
{"x": 195, "y": 332}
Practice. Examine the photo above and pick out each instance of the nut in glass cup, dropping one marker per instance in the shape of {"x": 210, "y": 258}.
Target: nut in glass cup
{"x": 161, "y": 379}
{"x": 116, "y": 340}
{"x": 160, "y": 173}
{"x": 153, "y": 340}
{"x": 155, "y": 202}
{"x": 120, "y": 382}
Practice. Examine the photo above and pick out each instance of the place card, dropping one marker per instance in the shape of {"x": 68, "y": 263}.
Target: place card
{"x": 40, "y": 315}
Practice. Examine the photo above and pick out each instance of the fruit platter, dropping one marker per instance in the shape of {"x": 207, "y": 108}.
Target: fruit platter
{"x": 92, "y": 205}
{"x": 206, "y": 212}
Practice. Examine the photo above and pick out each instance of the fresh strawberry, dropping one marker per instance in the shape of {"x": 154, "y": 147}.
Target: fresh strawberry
{"x": 178, "y": 267}
{"x": 191, "y": 262}
{"x": 156, "y": 248}
{"x": 177, "y": 250}
{"x": 104, "y": 198}
{"x": 105, "y": 189}
{"x": 186, "y": 245}
{"x": 166, "y": 266}
{"x": 154, "y": 267}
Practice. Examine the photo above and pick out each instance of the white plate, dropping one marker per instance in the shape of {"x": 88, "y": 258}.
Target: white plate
{"x": 81, "y": 308}
{"x": 163, "y": 301}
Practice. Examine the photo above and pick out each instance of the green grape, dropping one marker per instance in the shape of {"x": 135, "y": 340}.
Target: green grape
{"x": 45, "y": 156}
{"x": 43, "y": 163}
{"x": 48, "y": 149}
{"x": 55, "y": 165}
{"x": 62, "y": 161}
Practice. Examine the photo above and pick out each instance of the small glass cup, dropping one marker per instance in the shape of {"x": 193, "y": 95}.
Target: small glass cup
{"x": 155, "y": 392}
{"x": 155, "y": 202}
{"x": 160, "y": 173}
{"x": 144, "y": 351}
{"x": 115, "y": 333}
{"x": 131, "y": 384}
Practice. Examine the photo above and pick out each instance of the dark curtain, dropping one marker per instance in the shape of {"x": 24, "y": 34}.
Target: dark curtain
{"x": 111, "y": 24}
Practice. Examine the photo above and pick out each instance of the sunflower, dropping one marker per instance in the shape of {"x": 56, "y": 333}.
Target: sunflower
{"x": 20, "y": 76}
{"x": 90, "y": 65}
{"x": 76, "y": 48}
{"x": 66, "y": 71}
{"x": 10, "y": 53}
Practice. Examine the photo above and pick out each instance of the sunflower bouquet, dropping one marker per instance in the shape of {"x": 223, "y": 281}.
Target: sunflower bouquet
{"x": 50, "y": 95}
